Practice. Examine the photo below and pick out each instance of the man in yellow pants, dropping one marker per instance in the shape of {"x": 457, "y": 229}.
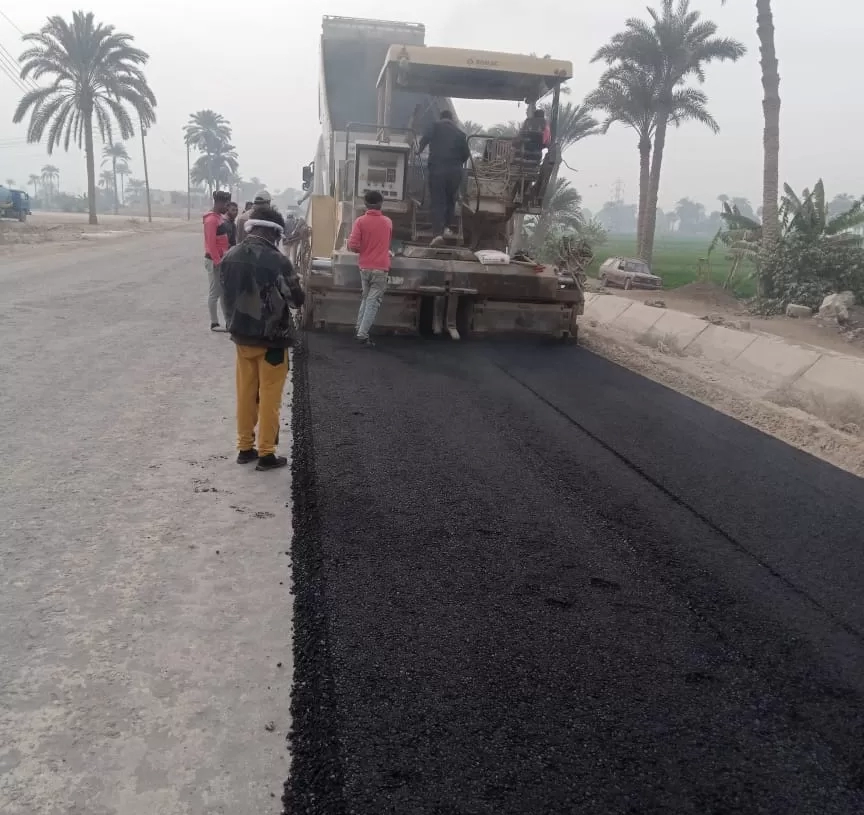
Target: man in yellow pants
{"x": 259, "y": 289}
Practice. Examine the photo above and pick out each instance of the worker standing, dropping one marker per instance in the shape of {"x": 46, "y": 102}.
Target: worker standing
{"x": 231, "y": 223}
{"x": 215, "y": 246}
{"x": 371, "y": 236}
{"x": 262, "y": 199}
{"x": 448, "y": 152}
{"x": 260, "y": 288}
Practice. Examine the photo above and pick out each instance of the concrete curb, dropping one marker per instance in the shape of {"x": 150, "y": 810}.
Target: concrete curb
{"x": 825, "y": 375}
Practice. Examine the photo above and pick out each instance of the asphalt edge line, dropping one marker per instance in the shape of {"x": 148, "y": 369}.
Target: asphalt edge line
{"x": 727, "y": 536}
{"x": 315, "y": 784}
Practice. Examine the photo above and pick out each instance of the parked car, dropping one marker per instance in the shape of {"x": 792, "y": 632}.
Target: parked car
{"x": 628, "y": 273}
{"x": 14, "y": 204}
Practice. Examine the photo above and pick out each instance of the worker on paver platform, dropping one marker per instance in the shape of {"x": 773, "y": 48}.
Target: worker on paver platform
{"x": 448, "y": 152}
{"x": 215, "y": 246}
{"x": 262, "y": 199}
{"x": 260, "y": 287}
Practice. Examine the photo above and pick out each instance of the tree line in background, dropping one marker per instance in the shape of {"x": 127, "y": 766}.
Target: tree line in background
{"x": 97, "y": 82}
{"x": 216, "y": 166}
{"x": 798, "y": 246}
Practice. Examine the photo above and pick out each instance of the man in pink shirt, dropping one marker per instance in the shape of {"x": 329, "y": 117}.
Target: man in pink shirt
{"x": 371, "y": 237}
{"x": 216, "y": 245}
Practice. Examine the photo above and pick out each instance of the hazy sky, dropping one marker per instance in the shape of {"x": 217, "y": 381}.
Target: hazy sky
{"x": 257, "y": 63}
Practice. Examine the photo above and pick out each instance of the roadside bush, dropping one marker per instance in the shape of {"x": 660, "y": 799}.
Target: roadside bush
{"x": 805, "y": 271}
{"x": 70, "y": 203}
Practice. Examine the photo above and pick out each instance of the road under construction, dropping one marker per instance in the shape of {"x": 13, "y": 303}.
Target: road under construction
{"x": 506, "y": 577}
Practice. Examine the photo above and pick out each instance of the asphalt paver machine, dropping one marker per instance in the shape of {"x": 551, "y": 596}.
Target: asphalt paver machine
{"x": 477, "y": 282}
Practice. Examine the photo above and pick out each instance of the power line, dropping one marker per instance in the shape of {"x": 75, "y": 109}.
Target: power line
{"x": 6, "y": 17}
{"x": 6, "y": 56}
{"x": 12, "y": 64}
{"x": 14, "y": 79}
{"x": 9, "y": 66}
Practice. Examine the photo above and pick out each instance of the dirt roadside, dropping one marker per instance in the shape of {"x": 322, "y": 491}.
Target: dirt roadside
{"x": 47, "y": 233}
{"x": 710, "y": 301}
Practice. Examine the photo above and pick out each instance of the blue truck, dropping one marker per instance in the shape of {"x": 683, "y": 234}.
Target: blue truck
{"x": 14, "y": 204}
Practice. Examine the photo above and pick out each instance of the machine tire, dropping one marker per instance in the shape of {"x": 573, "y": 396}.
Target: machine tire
{"x": 464, "y": 315}
{"x": 426, "y": 316}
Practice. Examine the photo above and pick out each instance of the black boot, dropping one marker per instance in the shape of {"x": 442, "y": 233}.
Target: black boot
{"x": 271, "y": 462}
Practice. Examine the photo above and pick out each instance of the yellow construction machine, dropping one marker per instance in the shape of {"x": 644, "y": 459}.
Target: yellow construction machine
{"x": 381, "y": 87}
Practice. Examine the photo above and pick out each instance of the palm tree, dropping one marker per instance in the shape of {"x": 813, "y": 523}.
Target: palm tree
{"x": 771, "y": 116}
{"x": 50, "y": 180}
{"x": 34, "y": 181}
{"x": 107, "y": 181}
{"x": 628, "y": 96}
{"x": 215, "y": 169}
{"x": 95, "y": 72}
{"x": 112, "y": 153}
{"x": 122, "y": 171}
{"x": 673, "y": 46}
{"x": 505, "y": 130}
{"x": 10, "y": 182}
{"x": 575, "y": 123}
{"x": 209, "y": 133}
{"x": 470, "y": 127}
{"x": 136, "y": 187}
{"x": 563, "y": 211}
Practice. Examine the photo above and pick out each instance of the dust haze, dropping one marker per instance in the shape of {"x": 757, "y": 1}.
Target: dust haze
{"x": 258, "y": 66}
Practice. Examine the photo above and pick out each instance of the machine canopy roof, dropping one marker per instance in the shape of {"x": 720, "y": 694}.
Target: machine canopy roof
{"x": 467, "y": 74}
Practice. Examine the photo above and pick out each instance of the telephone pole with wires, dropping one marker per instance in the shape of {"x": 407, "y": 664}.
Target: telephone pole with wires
{"x": 146, "y": 173}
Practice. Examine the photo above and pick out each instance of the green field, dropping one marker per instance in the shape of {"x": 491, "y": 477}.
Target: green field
{"x": 676, "y": 260}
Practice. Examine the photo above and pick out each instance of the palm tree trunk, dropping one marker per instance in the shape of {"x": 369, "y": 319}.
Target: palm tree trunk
{"x": 91, "y": 166}
{"x": 114, "y": 173}
{"x": 644, "y": 182}
{"x": 650, "y": 222}
{"x": 771, "y": 135}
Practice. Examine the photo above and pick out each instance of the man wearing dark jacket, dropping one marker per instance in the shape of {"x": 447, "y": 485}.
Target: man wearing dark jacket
{"x": 448, "y": 152}
{"x": 259, "y": 289}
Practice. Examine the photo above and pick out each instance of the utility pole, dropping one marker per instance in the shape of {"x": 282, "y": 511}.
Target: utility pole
{"x": 146, "y": 174}
{"x": 188, "y": 183}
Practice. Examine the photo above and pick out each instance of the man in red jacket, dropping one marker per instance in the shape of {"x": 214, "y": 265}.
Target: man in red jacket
{"x": 371, "y": 237}
{"x": 216, "y": 244}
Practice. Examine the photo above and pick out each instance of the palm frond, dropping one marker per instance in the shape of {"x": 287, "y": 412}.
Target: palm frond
{"x": 852, "y": 218}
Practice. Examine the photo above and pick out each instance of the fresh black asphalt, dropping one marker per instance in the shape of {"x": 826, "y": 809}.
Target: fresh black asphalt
{"x": 530, "y": 582}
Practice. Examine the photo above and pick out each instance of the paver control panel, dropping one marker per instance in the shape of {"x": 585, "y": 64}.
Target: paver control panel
{"x": 381, "y": 167}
